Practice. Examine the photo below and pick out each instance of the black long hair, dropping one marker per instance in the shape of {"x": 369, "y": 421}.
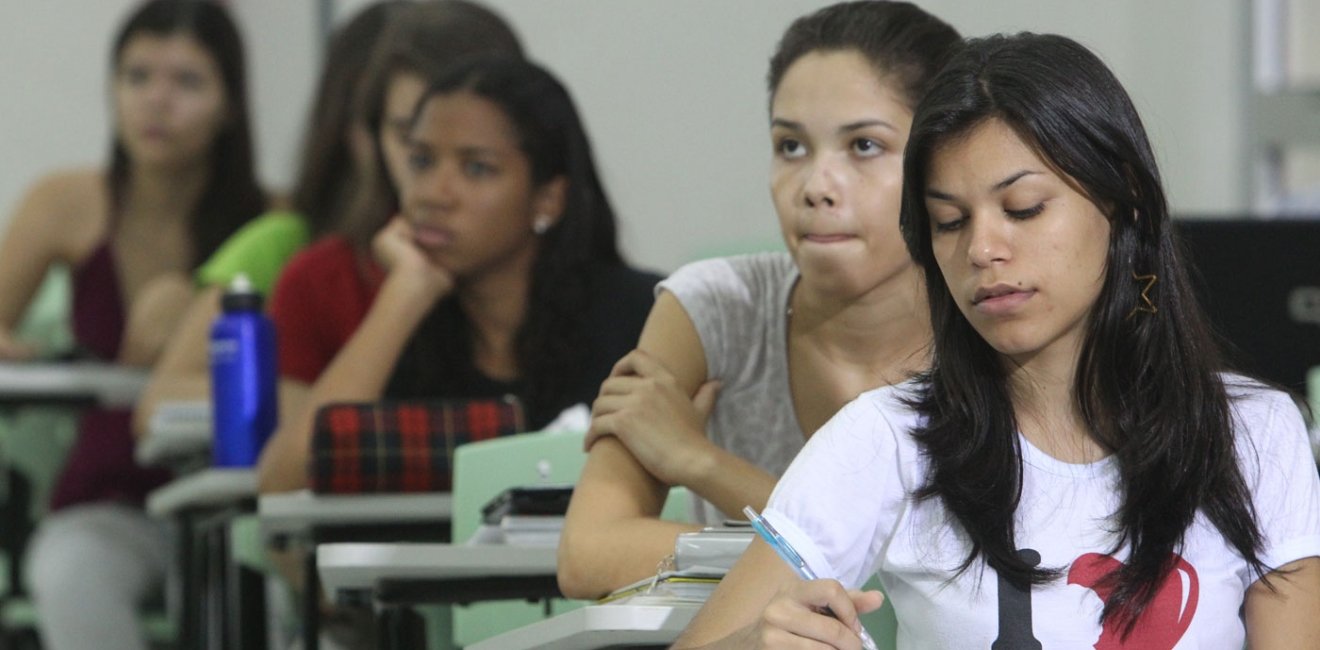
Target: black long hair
{"x": 328, "y": 176}
{"x": 232, "y": 195}
{"x": 899, "y": 39}
{"x": 423, "y": 39}
{"x": 1148, "y": 385}
{"x": 581, "y": 243}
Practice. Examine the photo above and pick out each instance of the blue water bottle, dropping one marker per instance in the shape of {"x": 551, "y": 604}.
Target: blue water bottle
{"x": 243, "y": 377}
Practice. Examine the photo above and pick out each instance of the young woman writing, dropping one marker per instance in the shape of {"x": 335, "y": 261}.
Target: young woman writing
{"x": 1077, "y": 469}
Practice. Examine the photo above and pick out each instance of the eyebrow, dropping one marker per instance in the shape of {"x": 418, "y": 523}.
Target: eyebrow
{"x": 479, "y": 152}
{"x": 997, "y": 187}
{"x": 462, "y": 151}
{"x": 846, "y": 128}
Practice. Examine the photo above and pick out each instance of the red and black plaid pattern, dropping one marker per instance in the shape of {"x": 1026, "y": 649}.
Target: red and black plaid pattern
{"x": 402, "y": 446}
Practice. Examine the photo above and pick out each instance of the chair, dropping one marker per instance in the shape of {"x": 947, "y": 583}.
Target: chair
{"x": 484, "y": 469}
{"x": 481, "y": 471}
{"x": 881, "y": 623}
{"x": 33, "y": 443}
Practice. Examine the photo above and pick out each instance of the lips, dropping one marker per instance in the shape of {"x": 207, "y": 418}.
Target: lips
{"x": 431, "y": 236}
{"x": 155, "y": 133}
{"x": 1000, "y": 298}
{"x": 827, "y": 238}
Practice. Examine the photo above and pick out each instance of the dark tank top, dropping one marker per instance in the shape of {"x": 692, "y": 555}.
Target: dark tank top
{"x": 100, "y": 467}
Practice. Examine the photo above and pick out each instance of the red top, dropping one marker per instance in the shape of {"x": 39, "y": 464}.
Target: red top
{"x": 327, "y": 289}
{"x": 100, "y": 467}
{"x": 320, "y": 300}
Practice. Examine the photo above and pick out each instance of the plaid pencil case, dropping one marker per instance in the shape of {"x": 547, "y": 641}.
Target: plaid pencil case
{"x": 402, "y": 446}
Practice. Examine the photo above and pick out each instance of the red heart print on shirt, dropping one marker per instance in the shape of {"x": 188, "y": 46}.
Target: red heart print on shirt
{"x": 1166, "y": 617}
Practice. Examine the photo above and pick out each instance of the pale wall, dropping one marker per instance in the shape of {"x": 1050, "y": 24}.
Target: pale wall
{"x": 672, "y": 92}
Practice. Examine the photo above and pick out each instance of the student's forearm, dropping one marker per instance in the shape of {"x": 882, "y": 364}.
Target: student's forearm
{"x": 740, "y": 639}
{"x": 730, "y": 482}
{"x": 183, "y": 372}
{"x": 280, "y": 469}
{"x": 359, "y": 372}
{"x": 176, "y": 388}
{"x": 604, "y": 555}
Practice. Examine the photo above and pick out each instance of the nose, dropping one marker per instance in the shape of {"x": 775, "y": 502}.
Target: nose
{"x": 158, "y": 92}
{"x": 432, "y": 189}
{"x": 823, "y": 184}
{"x": 987, "y": 242}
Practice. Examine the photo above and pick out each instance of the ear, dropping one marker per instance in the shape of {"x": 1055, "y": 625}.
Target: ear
{"x": 549, "y": 200}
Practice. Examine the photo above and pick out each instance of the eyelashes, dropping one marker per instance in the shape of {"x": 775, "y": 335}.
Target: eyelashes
{"x": 1018, "y": 215}
{"x": 1025, "y": 213}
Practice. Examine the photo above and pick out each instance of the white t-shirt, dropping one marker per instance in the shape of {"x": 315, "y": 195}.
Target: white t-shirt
{"x": 845, "y": 504}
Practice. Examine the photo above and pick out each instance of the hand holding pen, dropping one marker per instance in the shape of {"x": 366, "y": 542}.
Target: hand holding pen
{"x": 794, "y": 560}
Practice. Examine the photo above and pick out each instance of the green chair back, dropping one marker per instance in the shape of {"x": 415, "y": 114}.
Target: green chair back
{"x": 35, "y": 439}
{"x": 45, "y": 324}
{"x": 881, "y": 623}
{"x": 483, "y": 470}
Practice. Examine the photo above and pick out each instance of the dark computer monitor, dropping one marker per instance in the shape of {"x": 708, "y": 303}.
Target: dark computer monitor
{"x": 1260, "y": 282}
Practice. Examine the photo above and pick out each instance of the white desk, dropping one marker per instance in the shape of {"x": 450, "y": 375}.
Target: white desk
{"x": 598, "y": 626}
{"x": 72, "y": 382}
{"x": 203, "y": 503}
{"x": 359, "y": 567}
{"x": 178, "y": 431}
{"x": 319, "y": 518}
{"x": 299, "y": 512}
{"x": 209, "y": 488}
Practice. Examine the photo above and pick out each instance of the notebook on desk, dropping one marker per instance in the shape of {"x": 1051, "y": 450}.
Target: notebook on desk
{"x": 667, "y": 588}
{"x": 700, "y": 561}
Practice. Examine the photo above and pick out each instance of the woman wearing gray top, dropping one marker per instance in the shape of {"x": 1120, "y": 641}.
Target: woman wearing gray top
{"x": 741, "y": 359}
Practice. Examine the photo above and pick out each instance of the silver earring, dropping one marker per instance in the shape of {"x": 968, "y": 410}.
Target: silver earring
{"x": 541, "y": 225}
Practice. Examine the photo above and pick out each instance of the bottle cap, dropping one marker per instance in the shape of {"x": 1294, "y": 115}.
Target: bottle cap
{"x": 240, "y": 295}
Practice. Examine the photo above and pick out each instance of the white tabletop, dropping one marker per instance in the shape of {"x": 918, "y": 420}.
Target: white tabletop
{"x": 208, "y": 488}
{"x": 297, "y": 512}
{"x": 363, "y": 566}
{"x": 107, "y": 384}
{"x": 598, "y": 626}
{"x": 177, "y": 430}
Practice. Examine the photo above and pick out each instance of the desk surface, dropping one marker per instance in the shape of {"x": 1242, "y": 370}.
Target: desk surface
{"x": 298, "y": 512}
{"x": 598, "y": 626}
{"x": 355, "y": 567}
{"x": 177, "y": 431}
{"x": 209, "y": 488}
{"x": 72, "y": 382}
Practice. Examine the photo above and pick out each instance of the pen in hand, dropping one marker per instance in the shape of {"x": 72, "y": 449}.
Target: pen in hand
{"x": 790, "y": 555}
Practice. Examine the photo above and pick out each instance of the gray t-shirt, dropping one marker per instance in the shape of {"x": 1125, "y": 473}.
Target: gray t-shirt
{"x": 739, "y": 306}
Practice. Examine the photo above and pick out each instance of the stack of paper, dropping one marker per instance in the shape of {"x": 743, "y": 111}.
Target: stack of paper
{"x": 700, "y": 560}
{"x": 668, "y": 588}
{"x": 521, "y": 530}
{"x": 532, "y": 530}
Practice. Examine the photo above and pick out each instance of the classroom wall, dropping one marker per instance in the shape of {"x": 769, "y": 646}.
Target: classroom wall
{"x": 672, "y": 92}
